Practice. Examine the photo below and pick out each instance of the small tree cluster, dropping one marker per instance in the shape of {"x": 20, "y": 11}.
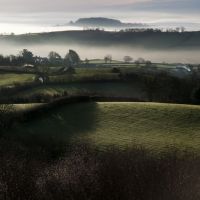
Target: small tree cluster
{"x": 108, "y": 59}
{"x": 26, "y": 57}
{"x": 128, "y": 59}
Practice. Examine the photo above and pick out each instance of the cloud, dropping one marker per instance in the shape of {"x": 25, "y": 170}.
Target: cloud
{"x": 171, "y": 6}
{"x": 133, "y": 10}
{"x": 61, "y": 5}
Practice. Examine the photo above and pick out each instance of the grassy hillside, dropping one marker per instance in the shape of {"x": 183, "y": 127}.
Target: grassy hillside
{"x": 154, "y": 126}
{"x": 103, "y": 38}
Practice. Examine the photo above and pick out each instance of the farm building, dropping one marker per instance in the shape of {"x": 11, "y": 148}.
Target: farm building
{"x": 29, "y": 66}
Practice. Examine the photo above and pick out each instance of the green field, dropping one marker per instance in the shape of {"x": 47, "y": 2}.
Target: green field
{"x": 82, "y": 74}
{"x": 154, "y": 126}
{"x": 10, "y": 79}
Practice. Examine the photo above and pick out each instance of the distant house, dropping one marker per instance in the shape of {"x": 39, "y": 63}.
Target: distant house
{"x": 183, "y": 67}
{"x": 29, "y": 66}
{"x": 41, "y": 79}
{"x": 181, "y": 71}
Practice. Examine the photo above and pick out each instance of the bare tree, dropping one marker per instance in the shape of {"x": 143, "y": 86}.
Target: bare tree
{"x": 87, "y": 61}
{"x": 6, "y": 114}
{"x": 148, "y": 63}
{"x": 108, "y": 58}
{"x": 140, "y": 61}
{"x": 72, "y": 59}
{"x": 55, "y": 58}
{"x": 128, "y": 59}
{"x": 183, "y": 29}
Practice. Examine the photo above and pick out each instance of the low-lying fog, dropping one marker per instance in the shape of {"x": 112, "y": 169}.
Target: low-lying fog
{"x": 34, "y": 22}
{"x": 7, "y": 28}
{"x": 94, "y": 52}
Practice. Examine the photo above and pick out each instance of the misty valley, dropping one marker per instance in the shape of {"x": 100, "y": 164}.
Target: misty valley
{"x": 170, "y": 47}
{"x": 92, "y": 113}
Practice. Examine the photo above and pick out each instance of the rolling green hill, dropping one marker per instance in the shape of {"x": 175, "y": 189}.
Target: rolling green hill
{"x": 154, "y": 126}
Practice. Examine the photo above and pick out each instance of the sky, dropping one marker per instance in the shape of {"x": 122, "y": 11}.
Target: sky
{"x": 59, "y": 5}
{"x": 59, "y": 12}
{"x": 85, "y": 5}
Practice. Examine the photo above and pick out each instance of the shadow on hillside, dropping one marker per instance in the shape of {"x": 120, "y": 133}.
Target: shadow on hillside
{"x": 55, "y": 129}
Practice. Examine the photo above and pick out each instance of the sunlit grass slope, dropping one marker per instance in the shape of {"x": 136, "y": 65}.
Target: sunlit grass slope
{"x": 25, "y": 107}
{"x": 154, "y": 126}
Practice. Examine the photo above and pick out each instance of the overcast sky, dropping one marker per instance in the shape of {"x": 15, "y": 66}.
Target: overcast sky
{"x": 85, "y": 5}
{"x": 131, "y": 10}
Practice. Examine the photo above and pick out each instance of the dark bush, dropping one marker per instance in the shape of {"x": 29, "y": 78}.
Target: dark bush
{"x": 70, "y": 70}
{"x": 116, "y": 70}
{"x": 85, "y": 173}
{"x": 7, "y": 112}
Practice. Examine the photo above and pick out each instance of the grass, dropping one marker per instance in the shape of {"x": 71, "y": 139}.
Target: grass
{"x": 50, "y": 164}
{"x": 25, "y": 107}
{"x": 20, "y": 107}
{"x": 10, "y": 79}
{"x": 82, "y": 73}
{"x": 153, "y": 126}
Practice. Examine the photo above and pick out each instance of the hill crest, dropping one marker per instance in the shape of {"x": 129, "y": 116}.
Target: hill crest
{"x": 103, "y": 22}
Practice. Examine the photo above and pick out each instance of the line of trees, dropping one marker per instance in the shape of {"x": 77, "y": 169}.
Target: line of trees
{"x": 127, "y": 59}
{"x": 26, "y": 57}
{"x": 155, "y": 30}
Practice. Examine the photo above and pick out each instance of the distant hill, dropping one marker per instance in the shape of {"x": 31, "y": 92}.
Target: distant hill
{"x": 104, "y": 22}
{"x": 148, "y": 39}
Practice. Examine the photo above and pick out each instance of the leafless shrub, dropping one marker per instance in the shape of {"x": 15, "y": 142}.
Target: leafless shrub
{"x": 6, "y": 114}
{"x": 85, "y": 173}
